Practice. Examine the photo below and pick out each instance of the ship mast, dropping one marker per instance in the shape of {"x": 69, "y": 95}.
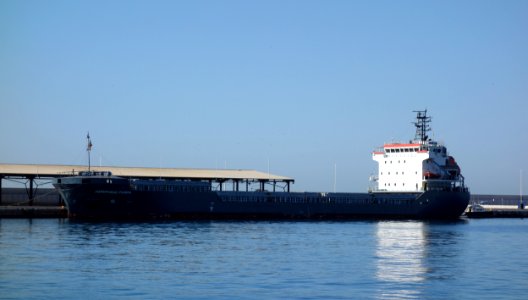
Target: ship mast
{"x": 422, "y": 126}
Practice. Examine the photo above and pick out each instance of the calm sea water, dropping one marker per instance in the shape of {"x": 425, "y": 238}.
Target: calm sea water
{"x": 59, "y": 259}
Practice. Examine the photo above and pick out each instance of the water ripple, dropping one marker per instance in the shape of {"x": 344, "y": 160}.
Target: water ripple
{"x": 482, "y": 259}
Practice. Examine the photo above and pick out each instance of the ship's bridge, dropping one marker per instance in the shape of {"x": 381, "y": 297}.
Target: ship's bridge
{"x": 400, "y": 166}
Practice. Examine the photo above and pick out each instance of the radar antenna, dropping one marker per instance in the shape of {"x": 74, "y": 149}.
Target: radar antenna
{"x": 422, "y": 125}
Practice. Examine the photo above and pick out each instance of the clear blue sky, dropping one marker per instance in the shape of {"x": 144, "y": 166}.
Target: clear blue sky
{"x": 301, "y": 84}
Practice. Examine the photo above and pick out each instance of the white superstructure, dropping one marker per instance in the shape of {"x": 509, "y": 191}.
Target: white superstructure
{"x": 416, "y": 166}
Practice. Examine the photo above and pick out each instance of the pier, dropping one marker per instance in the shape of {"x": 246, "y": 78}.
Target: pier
{"x": 495, "y": 211}
{"x": 34, "y": 176}
{"x": 496, "y": 206}
{"x": 14, "y": 211}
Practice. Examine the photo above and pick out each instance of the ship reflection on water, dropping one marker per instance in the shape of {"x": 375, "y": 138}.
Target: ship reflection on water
{"x": 400, "y": 253}
{"x": 410, "y": 255}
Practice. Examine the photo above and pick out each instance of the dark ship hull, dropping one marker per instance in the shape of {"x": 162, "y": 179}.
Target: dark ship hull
{"x": 93, "y": 197}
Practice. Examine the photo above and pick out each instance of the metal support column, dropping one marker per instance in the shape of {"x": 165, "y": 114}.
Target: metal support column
{"x": 274, "y": 184}
{"x": 262, "y": 185}
{"x": 247, "y": 185}
{"x": 30, "y": 194}
{"x": 1, "y": 179}
{"x": 288, "y": 184}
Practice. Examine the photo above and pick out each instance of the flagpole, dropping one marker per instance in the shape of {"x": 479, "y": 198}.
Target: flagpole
{"x": 89, "y": 163}
{"x": 89, "y": 149}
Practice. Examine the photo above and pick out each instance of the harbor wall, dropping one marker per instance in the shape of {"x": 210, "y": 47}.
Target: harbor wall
{"x": 42, "y": 197}
{"x": 483, "y": 199}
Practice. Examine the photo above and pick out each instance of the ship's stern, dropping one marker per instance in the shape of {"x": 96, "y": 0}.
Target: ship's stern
{"x": 443, "y": 204}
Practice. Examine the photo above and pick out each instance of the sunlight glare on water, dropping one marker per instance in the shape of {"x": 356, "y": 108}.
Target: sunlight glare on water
{"x": 480, "y": 259}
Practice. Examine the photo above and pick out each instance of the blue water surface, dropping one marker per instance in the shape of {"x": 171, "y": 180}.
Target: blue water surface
{"x": 466, "y": 259}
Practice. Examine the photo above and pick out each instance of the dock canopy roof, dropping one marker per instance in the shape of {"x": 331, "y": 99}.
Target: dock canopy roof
{"x": 27, "y": 170}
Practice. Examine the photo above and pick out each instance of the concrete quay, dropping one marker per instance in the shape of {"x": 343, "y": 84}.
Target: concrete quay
{"x": 495, "y": 211}
{"x": 15, "y": 211}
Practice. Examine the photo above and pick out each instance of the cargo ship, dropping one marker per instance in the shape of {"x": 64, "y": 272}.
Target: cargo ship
{"x": 416, "y": 180}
